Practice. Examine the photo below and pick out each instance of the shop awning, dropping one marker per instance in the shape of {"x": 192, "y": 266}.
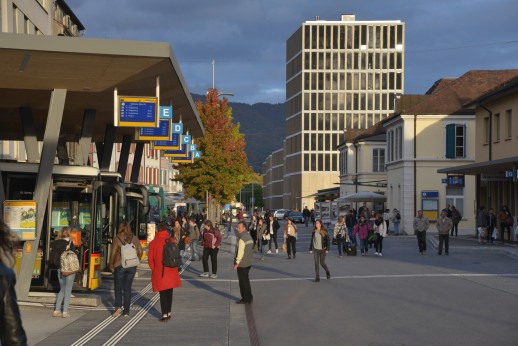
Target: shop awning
{"x": 485, "y": 167}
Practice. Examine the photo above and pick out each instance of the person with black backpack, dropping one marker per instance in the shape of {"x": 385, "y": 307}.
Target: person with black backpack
{"x": 164, "y": 274}
{"x": 125, "y": 257}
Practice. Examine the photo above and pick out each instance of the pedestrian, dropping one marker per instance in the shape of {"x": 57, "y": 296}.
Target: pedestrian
{"x": 362, "y": 229}
{"x": 194, "y": 239}
{"x": 444, "y": 225}
{"x": 421, "y": 224}
{"x": 506, "y": 222}
{"x": 179, "y": 236}
{"x": 211, "y": 241}
{"x": 199, "y": 219}
{"x": 163, "y": 279}
{"x": 396, "y": 220}
{"x": 319, "y": 247}
{"x": 386, "y": 218}
{"x": 312, "y": 216}
{"x": 481, "y": 223}
{"x": 339, "y": 234}
{"x": 273, "y": 226}
{"x": 306, "y": 214}
{"x": 66, "y": 282}
{"x": 243, "y": 263}
{"x": 350, "y": 221}
{"x": 491, "y": 226}
{"x": 11, "y": 331}
{"x": 380, "y": 229}
{"x": 252, "y": 228}
{"x": 290, "y": 234}
{"x": 123, "y": 277}
{"x": 263, "y": 237}
{"x": 456, "y": 216}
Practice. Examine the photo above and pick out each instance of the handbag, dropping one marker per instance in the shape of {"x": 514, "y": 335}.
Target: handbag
{"x": 335, "y": 241}
{"x": 284, "y": 247}
{"x": 494, "y": 234}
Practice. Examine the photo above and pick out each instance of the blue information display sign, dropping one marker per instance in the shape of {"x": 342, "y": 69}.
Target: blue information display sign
{"x": 455, "y": 180}
{"x": 183, "y": 152}
{"x": 178, "y": 159}
{"x": 173, "y": 144}
{"x": 160, "y": 133}
{"x": 137, "y": 112}
{"x": 430, "y": 194}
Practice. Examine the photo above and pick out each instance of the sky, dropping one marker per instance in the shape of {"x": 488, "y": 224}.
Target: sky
{"x": 247, "y": 38}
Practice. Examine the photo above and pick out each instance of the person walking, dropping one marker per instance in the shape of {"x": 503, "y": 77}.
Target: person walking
{"x": 273, "y": 226}
{"x": 444, "y": 225}
{"x": 252, "y": 228}
{"x": 57, "y": 247}
{"x": 339, "y": 234}
{"x": 380, "y": 229}
{"x": 211, "y": 241}
{"x": 263, "y": 236}
{"x": 290, "y": 234}
{"x": 456, "y": 216}
{"x": 481, "y": 223}
{"x": 362, "y": 229}
{"x": 11, "y": 331}
{"x": 421, "y": 224}
{"x": 243, "y": 263}
{"x": 319, "y": 247}
{"x": 350, "y": 221}
{"x": 123, "y": 277}
{"x": 506, "y": 222}
{"x": 163, "y": 279}
{"x": 306, "y": 214}
{"x": 491, "y": 226}
{"x": 194, "y": 239}
{"x": 396, "y": 220}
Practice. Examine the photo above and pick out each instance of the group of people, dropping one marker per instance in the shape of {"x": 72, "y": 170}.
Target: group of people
{"x": 487, "y": 224}
{"x": 447, "y": 222}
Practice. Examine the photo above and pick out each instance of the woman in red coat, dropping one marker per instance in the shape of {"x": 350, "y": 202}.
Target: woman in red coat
{"x": 170, "y": 279}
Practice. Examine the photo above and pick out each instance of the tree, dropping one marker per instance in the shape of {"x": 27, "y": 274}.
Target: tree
{"x": 223, "y": 168}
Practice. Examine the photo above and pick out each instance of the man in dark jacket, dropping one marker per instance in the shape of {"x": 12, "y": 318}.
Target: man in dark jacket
{"x": 243, "y": 263}
{"x": 272, "y": 225}
{"x": 306, "y": 214}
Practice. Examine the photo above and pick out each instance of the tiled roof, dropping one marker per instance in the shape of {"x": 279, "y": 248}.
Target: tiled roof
{"x": 507, "y": 86}
{"x": 449, "y": 97}
{"x": 440, "y": 85}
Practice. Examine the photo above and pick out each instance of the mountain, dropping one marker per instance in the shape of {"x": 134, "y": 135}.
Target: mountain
{"x": 263, "y": 126}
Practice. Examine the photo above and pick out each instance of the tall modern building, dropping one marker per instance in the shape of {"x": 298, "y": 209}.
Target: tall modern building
{"x": 340, "y": 76}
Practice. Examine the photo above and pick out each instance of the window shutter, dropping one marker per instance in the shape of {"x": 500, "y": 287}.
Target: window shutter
{"x": 450, "y": 141}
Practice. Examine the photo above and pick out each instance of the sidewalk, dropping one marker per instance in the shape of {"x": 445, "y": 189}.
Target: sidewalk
{"x": 470, "y": 243}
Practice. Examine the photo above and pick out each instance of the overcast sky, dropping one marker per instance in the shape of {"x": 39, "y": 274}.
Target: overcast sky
{"x": 246, "y": 38}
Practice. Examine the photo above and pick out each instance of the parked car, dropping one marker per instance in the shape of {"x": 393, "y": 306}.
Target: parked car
{"x": 296, "y": 216}
{"x": 279, "y": 213}
{"x": 287, "y": 214}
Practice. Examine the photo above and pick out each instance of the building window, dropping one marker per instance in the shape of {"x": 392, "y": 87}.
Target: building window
{"x": 509, "y": 123}
{"x": 455, "y": 197}
{"x": 455, "y": 141}
{"x": 378, "y": 160}
{"x": 497, "y": 127}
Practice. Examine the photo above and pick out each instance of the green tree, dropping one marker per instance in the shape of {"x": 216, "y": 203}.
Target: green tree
{"x": 223, "y": 167}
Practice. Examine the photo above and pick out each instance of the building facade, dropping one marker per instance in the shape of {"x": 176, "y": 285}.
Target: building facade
{"x": 339, "y": 75}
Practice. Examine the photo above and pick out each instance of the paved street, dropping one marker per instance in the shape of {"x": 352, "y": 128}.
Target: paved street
{"x": 467, "y": 298}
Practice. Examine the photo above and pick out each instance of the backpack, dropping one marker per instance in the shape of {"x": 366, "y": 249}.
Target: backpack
{"x": 171, "y": 256}
{"x": 398, "y": 216}
{"x": 129, "y": 257}
{"x": 69, "y": 263}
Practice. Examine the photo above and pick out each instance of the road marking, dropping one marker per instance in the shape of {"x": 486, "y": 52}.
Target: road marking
{"x": 101, "y": 326}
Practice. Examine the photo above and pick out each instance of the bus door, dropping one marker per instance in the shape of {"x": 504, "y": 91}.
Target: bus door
{"x": 137, "y": 211}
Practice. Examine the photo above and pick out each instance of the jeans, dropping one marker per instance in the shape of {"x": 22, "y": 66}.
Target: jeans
{"x": 351, "y": 237}
{"x": 396, "y": 227}
{"x": 123, "y": 278}
{"x": 273, "y": 238}
{"x": 455, "y": 229}
{"x": 379, "y": 243}
{"x": 244, "y": 284}
{"x": 195, "y": 253}
{"x": 306, "y": 220}
{"x": 340, "y": 243}
{"x": 320, "y": 259}
{"x": 421, "y": 241}
{"x": 166, "y": 301}
{"x": 444, "y": 238}
{"x": 291, "y": 243}
{"x": 262, "y": 247}
{"x": 364, "y": 245}
{"x": 213, "y": 253}
{"x": 65, "y": 291}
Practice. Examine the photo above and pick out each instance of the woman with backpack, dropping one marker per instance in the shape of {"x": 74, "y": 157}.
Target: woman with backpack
{"x": 66, "y": 280}
{"x": 163, "y": 278}
{"x": 123, "y": 274}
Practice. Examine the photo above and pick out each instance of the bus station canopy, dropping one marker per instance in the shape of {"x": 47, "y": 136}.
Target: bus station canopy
{"x": 31, "y": 66}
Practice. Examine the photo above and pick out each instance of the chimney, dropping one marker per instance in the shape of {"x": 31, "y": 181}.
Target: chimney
{"x": 317, "y": 18}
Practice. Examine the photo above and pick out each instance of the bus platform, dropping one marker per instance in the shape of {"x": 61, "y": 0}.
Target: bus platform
{"x": 204, "y": 312}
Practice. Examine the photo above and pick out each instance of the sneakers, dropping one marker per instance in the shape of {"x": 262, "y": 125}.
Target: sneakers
{"x": 117, "y": 312}
{"x": 213, "y": 276}
{"x": 379, "y": 254}
{"x": 65, "y": 315}
{"x": 204, "y": 275}
{"x": 276, "y": 250}
{"x": 262, "y": 258}
{"x": 56, "y": 314}
{"x": 375, "y": 254}
{"x": 269, "y": 251}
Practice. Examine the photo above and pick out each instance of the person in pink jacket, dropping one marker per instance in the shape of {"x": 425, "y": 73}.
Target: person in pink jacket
{"x": 163, "y": 279}
{"x": 362, "y": 229}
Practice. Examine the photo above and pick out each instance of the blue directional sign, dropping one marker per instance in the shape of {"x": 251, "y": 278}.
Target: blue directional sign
{"x": 173, "y": 144}
{"x": 160, "y": 133}
{"x": 166, "y": 112}
{"x": 183, "y": 152}
{"x": 192, "y": 147}
{"x": 186, "y": 139}
{"x": 455, "y": 180}
{"x": 196, "y": 154}
{"x": 137, "y": 112}
{"x": 429, "y": 194}
{"x": 178, "y": 128}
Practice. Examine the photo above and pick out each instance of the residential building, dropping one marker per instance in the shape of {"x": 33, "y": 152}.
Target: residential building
{"x": 496, "y": 162}
{"x": 339, "y": 75}
{"x": 431, "y": 132}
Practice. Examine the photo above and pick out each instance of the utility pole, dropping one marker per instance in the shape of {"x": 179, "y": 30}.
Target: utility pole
{"x": 213, "y": 64}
